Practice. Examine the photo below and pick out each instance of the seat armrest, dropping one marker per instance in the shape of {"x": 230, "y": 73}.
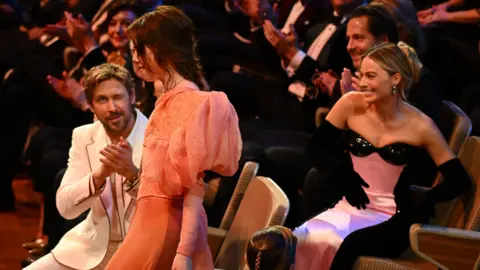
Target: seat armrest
{"x": 447, "y": 248}
{"x": 215, "y": 239}
{"x": 262, "y": 75}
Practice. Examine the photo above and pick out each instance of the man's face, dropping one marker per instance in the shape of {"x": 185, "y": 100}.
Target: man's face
{"x": 112, "y": 105}
{"x": 359, "y": 39}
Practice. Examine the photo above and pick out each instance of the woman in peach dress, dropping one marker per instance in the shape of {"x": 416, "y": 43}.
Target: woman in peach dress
{"x": 189, "y": 131}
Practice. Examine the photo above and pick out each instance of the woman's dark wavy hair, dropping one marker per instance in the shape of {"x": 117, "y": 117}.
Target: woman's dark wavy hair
{"x": 272, "y": 248}
{"x": 380, "y": 21}
{"x": 118, "y": 6}
{"x": 170, "y": 35}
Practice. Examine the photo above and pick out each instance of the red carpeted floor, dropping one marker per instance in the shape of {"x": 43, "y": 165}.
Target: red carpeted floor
{"x": 19, "y": 226}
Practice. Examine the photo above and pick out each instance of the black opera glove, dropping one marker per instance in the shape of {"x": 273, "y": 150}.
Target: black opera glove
{"x": 354, "y": 188}
{"x": 327, "y": 151}
{"x": 326, "y": 148}
{"x": 456, "y": 181}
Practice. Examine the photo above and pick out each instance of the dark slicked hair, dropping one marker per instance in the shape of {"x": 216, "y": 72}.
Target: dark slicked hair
{"x": 380, "y": 21}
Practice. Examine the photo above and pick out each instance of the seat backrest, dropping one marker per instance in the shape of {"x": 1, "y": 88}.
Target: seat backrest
{"x": 466, "y": 214}
{"x": 455, "y": 126}
{"x": 248, "y": 173}
{"x": 320, "y": 114}
{"x": 263, "y": 205}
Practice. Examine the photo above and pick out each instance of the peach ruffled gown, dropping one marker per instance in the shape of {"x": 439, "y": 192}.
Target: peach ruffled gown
{"x": 189, "y": 131}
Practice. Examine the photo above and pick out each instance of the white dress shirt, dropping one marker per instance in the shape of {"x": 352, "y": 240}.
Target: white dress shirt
{"x": 117, "y": 230}
{"x": 299, "y": 88}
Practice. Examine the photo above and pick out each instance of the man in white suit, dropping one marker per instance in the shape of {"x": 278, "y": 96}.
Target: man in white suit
{"x": 102, "y": 174}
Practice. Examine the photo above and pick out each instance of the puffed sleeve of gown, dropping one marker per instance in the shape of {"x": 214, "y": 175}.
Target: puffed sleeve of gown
{"x": 211, "y": 140}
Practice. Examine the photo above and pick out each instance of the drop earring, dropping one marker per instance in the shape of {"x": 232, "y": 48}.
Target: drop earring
{"x": 394, "y": 90}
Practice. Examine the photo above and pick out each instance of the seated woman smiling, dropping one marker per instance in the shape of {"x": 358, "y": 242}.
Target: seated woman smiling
{"x": 373, "y": 150}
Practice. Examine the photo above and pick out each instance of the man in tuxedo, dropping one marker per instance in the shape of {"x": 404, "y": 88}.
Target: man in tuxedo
{"x": 369, "y": 26}
{"x": 238, "y": 41}
{"x": 102, "y": 174}
{"x": 324, "y": 47}
{"x": 290, "y": 18}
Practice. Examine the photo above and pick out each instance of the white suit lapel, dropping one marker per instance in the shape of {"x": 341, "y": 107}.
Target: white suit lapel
{"x": 99, "y": 141}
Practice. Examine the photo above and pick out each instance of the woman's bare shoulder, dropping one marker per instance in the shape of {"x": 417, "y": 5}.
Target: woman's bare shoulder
{"x": 350, "y": 104}
{"x": 352, "y": 100}
{"x": 423, "y": 125}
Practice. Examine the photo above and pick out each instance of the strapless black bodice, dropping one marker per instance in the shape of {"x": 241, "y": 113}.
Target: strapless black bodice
{"x": 396, "y": 153}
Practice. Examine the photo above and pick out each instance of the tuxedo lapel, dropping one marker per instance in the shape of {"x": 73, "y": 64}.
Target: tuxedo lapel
{"x": 334, "y": 54}
{"x": 312, "y": 33}
{"x": 283, "y": 10}
{"x": 99, "y": 141}
{"x": 310, "y": 16}
{"x": 314, "y": 11}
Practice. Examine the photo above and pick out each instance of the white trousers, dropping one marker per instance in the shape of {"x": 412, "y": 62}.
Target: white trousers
{"x": 48, "y": 262}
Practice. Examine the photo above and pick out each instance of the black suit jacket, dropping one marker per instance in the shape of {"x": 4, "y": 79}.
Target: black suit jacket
{"x": 333, "y": 56}
{"x": 315, "y": 11}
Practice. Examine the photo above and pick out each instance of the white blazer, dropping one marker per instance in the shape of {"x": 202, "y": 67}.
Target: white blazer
{"x": 85, "y": 246}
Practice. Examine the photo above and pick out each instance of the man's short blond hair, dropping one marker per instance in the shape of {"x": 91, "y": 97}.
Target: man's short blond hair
{"x": 105, "y": 72}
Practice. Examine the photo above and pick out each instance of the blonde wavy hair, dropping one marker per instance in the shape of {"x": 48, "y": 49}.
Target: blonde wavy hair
{"x": 400, "y": 59}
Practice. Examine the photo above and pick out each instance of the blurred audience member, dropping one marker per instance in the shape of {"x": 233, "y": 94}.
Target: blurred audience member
{"x": 271, "y": 248}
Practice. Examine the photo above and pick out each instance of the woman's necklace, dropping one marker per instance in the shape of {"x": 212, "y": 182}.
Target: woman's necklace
{"x": 174, "y": 85}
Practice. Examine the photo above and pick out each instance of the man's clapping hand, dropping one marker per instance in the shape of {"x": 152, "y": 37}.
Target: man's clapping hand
{"x": 118, "y": 157}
